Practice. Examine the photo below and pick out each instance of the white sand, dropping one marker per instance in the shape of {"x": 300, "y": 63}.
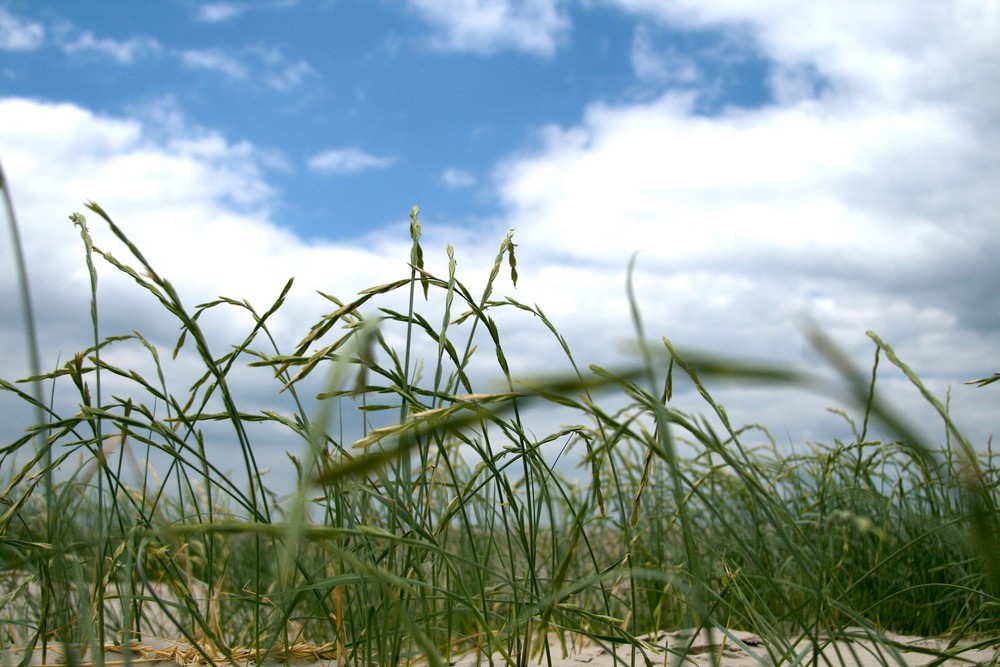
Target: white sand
{"x": 732, "y": 649}
{"x": 743, "y": 649}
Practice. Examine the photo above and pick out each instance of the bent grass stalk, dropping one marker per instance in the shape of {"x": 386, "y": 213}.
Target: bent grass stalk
{"x": 448, "y": 528}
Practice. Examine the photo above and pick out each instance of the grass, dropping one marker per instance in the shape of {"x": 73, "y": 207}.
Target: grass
{"x": 447, "y": 525}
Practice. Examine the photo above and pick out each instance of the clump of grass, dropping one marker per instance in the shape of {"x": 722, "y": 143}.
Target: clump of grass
{"x": 447, "y": 528}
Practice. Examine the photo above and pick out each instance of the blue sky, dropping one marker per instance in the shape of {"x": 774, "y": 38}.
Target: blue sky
{"x": 426, "y": 121}
{"x": 771, "y": 162}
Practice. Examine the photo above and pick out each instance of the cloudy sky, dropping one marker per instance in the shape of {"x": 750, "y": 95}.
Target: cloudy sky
{"x": 771, "y": 162}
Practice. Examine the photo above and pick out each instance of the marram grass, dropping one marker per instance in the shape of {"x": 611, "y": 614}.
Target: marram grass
{"x": 443, "y": 525}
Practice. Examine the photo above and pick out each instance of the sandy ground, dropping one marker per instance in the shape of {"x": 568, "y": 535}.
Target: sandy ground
{"x": 732, "y": 649}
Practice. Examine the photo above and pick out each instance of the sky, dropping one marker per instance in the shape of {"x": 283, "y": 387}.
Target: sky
{"x": 765, "y": 163}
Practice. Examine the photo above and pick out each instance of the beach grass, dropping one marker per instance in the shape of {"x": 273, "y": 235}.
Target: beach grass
{"x": 447, "y": 524}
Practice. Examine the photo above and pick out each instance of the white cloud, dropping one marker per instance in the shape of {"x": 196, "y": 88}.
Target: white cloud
{"x": 124, "y": 52}
{"x": 280, "y": 74}
{"x": 17, "y": 34}
{"x": 867, "y": 202}
{"x": 457, "y": 178}
{"x": 886, "y": 51}
{"x": 730, "y": 185}
{"x": 215, "y": 60}
{"x": 266, "y": 64}
{"x": 488, "y": 26}
{"x": 348, "y": 161}
{"x": 790, "y": 84}
{"x": 196, "y": 204}
{"x": 219, "y": 12}
{"x": 864, "y": 197}
{"x": 654, "y": 65}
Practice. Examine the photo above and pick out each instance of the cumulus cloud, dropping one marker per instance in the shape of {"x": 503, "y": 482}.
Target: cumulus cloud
{"x": 863, "y": 196}
{"x": 489, "y": 26}
{"x": 196, "y": 203}
{"x": 17, "y": 34}
{"x": 858, "y": 198}
{"x": 890, "y": 53}
{"x": 198, "y": 206}
{"x": 348, "y": 161}
{"x": 860, "y": 190}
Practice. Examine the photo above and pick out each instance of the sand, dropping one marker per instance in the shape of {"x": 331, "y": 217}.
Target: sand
{"x": 729, "y": 649}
